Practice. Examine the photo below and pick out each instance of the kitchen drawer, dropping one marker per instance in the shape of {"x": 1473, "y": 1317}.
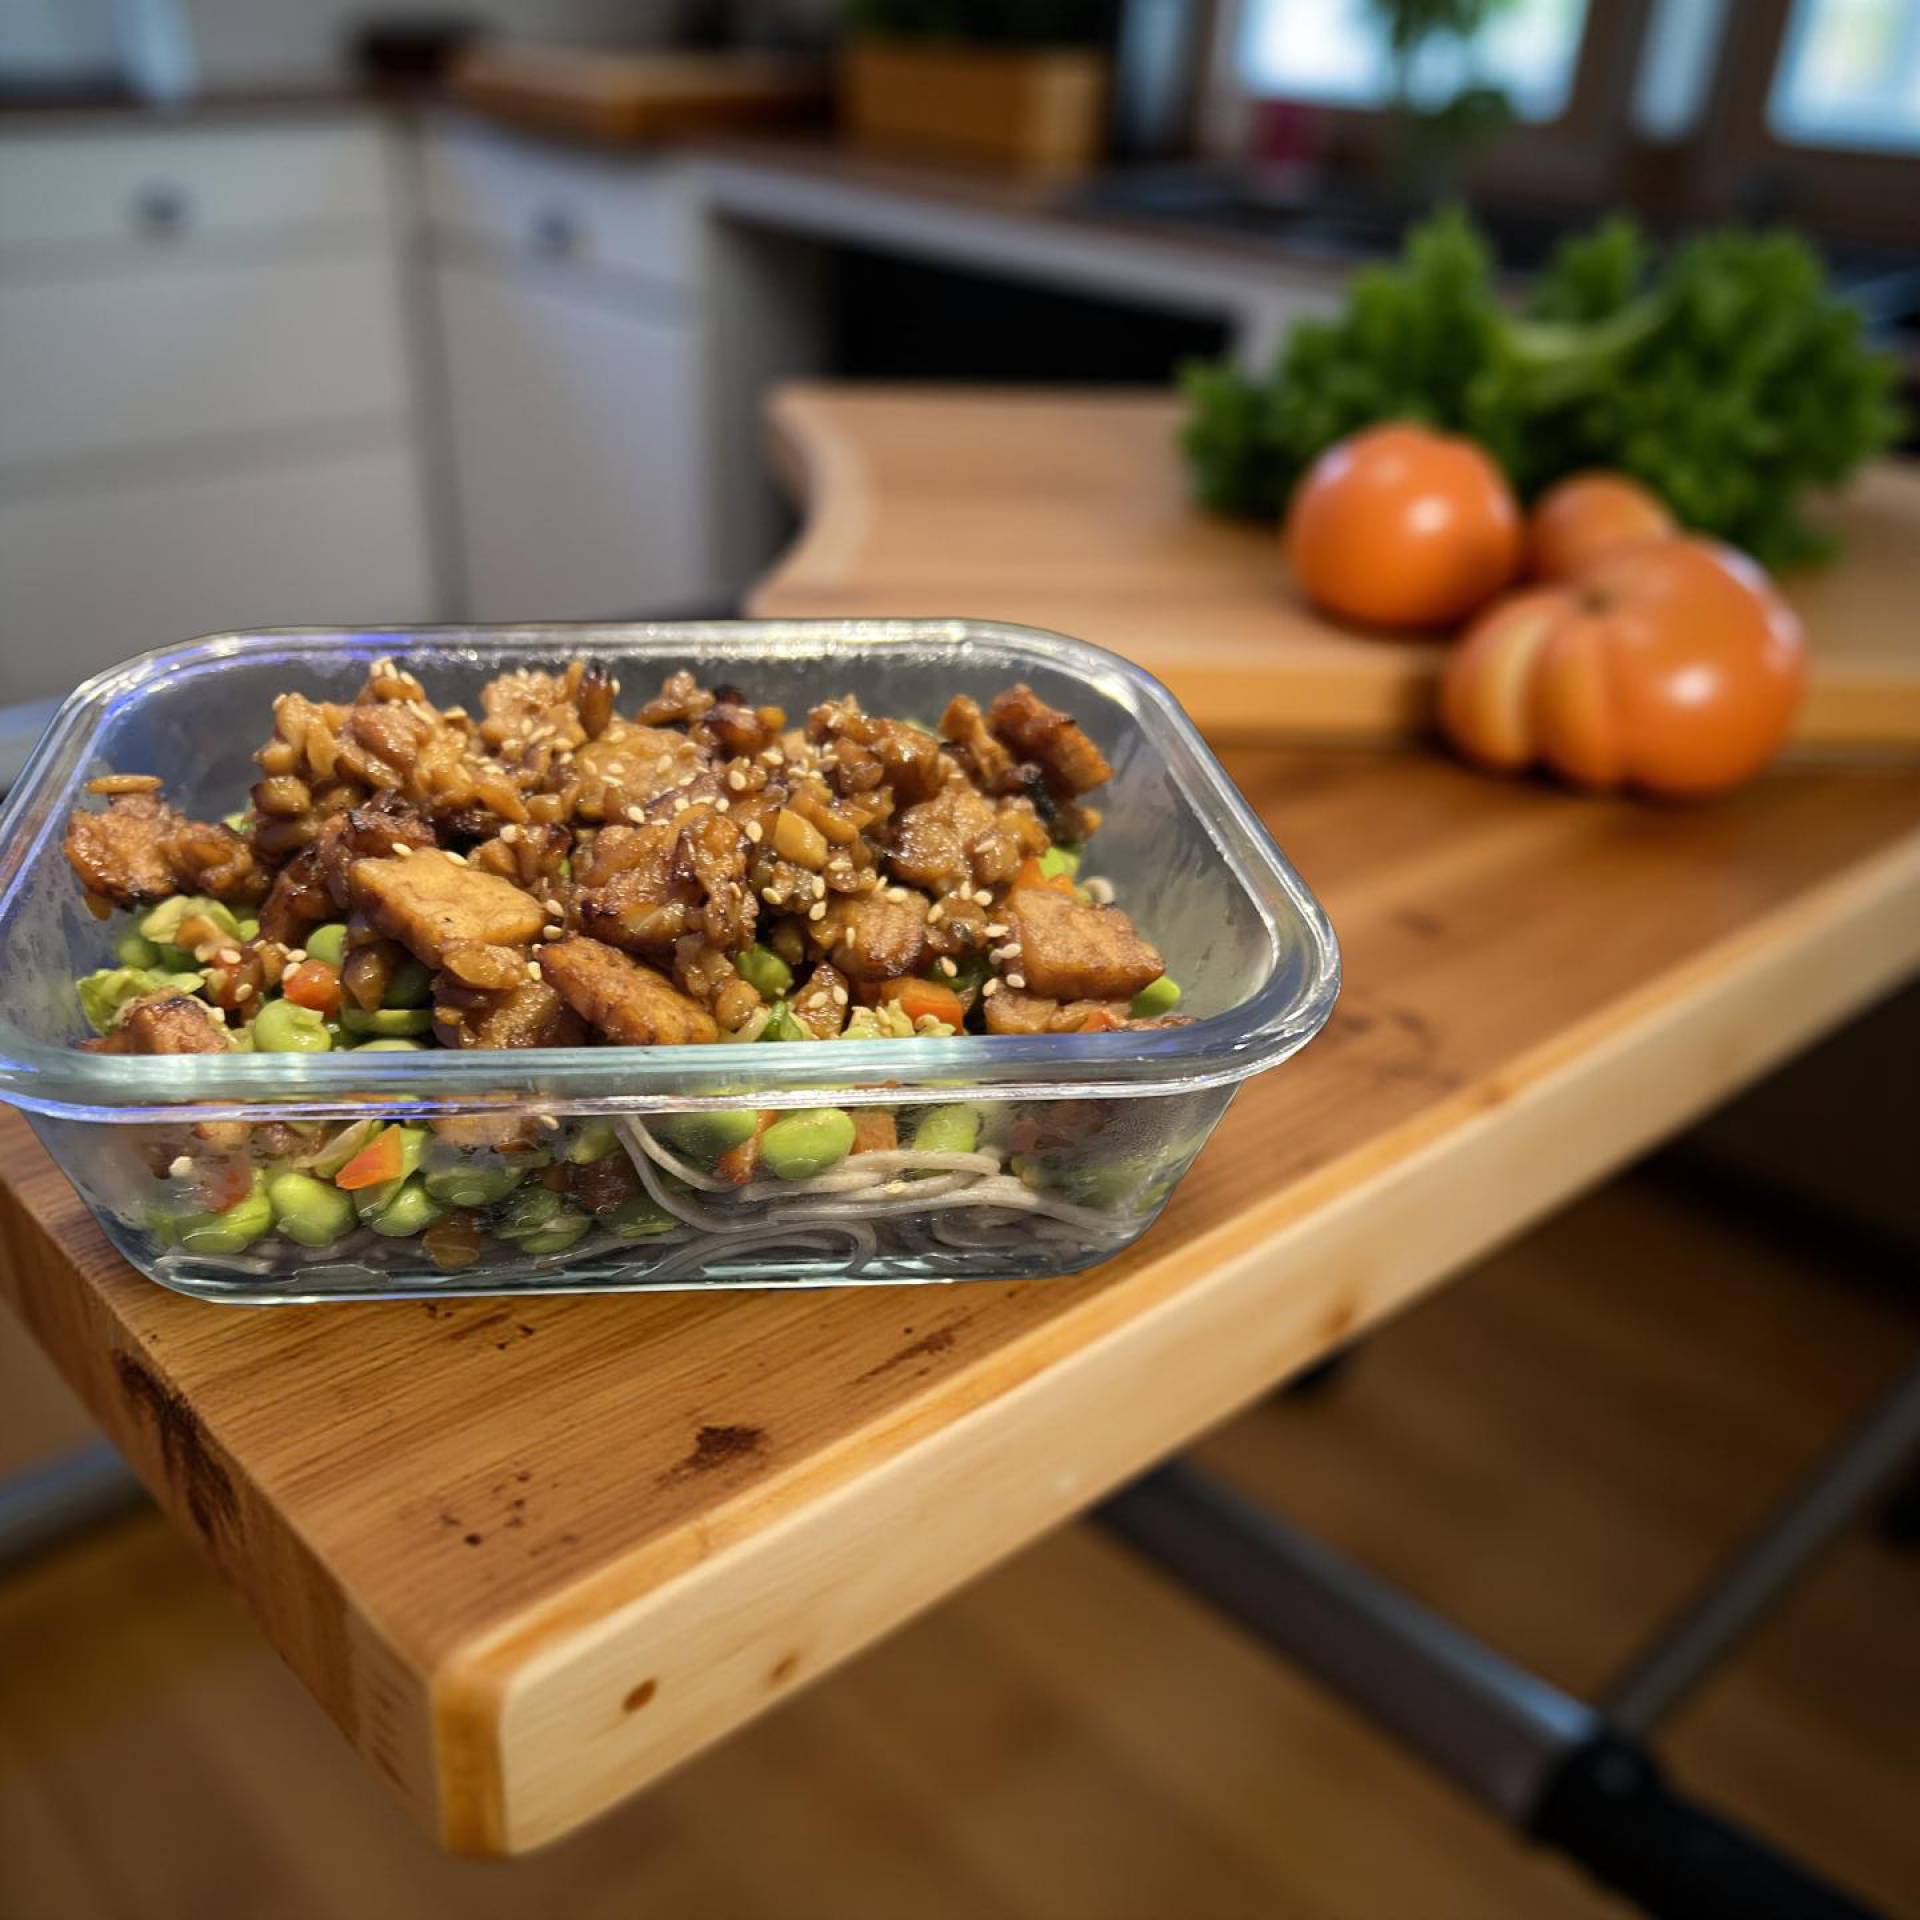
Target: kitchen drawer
{"x": 576, "y": 453}
{"x": 169, "y": 186}
{"x": 623, "y": 215}
{"x": 88, "y": 578}
{"x": 178, "y": 352}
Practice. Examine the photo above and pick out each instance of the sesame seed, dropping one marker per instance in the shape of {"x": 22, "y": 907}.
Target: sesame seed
{"x": 551, "y": 933}
{"x": 547, "y": 1120}
{"x": 990, "y": 989}
{"x": 664, "y": 764}
{"x": 774, "y": 757}
{"x": 402, "y": 851}
{"x": 737, "y": 780}
{"x": 228, "y": 956}
{"x": 755, "y": 831}
{"x": 181, "y": 1167}
{"x": 636, "y": 814}
{"x": 896, "y": 893}
{"x": 948, "y": 968}
{"x": 509, "y": 833}
{"x": 680, "y": 807}
{"x": 722, "y": 806}
{"x": 533, "y": 971}
{"x": 553, "y": 907}
{"x": 816, "y": 912}
{"x": 1016, "y": 979}
{"x": 244, "y": 991}
{"x": 294, "y": 955}
{"x": 839, "y": 996}
{"x": 983, "y": 897}
{"x": 458, "y": 859}
{"x": 1099, "y": 891}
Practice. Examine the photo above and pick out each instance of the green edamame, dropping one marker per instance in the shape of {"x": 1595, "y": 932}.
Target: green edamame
{"x": 328, "y": 943}
{"x": 765, "y": 972}
{"x": 161, "y": 923}
{"x": 232, "y": 1231}
{"x": 784, "y": 1024}
{"x": 947, "y": 1130}
{"x": 136, "y": 950}
{"x": 1156, "y": 997}
{"x": 313, "y": 1212}
{"x": 568, "y": 1225}
{"x": 530, "y": 1210}
{"x": 706, "y": 1136}
{"x": 800, "y": 1145}
{"x": 1059, "y": 860}
{"x": 387, "y": 1046}
{"x": 471, "y": 1183}
{"x": 388, "y": 1023}
{"x": 412, "y": 1209}
{"x": 596, "y": 1139}
{"x": 410, "y": 986}
{"x": 282, "y": 1027}
{"x": 247, "y": 926}
{"x": 639, "y": 1218}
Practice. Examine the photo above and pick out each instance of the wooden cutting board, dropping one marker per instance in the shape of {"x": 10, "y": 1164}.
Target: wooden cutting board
{"x": 637, "y": 97}
{"x": 1070, "y": 512}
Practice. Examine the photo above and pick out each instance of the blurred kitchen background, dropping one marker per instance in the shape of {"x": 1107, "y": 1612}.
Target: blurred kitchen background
{"x": 316, "y": 314}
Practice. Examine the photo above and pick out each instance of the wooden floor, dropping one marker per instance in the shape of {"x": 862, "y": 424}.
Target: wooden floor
{"x": 1552, "y": 1450}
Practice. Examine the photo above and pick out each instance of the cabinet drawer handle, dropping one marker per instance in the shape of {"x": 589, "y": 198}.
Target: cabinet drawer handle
{"x": 160, "y": 210}
{"x": 556, "y": 233}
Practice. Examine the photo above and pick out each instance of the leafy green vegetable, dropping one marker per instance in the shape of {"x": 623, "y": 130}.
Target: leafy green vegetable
{"x": 1727, "y": 378}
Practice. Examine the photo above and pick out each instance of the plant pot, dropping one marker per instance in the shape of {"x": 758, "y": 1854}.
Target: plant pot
{"x": 1039, "y": 110}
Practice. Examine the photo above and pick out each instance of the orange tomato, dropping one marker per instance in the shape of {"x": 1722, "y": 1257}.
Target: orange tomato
{"x": 1586, "y": 516}
{"x": 926, "y": 999}
{"x": 1401, "y": 527}
{"x": 312, "y": 984}
{"x": 1674, "y": 667}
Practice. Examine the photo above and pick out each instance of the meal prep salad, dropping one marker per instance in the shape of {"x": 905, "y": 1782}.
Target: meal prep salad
{"x": 549, "y": 872}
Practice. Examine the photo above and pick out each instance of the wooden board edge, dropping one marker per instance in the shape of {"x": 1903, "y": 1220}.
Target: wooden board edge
{"x": 363, "y": 1683}
{"x": 560, "y": 1715}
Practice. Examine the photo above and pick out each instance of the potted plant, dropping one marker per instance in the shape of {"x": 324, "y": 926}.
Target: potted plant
{"x": 1019, "y": 84}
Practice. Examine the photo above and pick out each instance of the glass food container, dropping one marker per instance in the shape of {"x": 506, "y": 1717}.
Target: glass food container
{"x": 1054, "y": 1151}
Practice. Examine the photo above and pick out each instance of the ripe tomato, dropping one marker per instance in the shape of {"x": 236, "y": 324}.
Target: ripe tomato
{"x": 1401, "y": 527}
{"x": 312, "y": 984}
{"x": 1674, "y": 667}
{"x": 1586, "y": 516}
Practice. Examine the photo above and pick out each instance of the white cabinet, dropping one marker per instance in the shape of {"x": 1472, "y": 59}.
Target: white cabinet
{"x": 574, "y": 428}
{"x": 207, "y": 417}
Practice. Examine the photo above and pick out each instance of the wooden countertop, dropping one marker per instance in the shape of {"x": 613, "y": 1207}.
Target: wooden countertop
{"x": 529, "y": 1554}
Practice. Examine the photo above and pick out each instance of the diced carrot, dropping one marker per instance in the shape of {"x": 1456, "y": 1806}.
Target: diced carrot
{"x": 1102, "y": 1020}
{"x": 874, "y": 1131}
{"x": 312, "y": 984}
{"x": 739, "y": 1164}
{"x": 382, "y": 1158}
{"x": 1033, "y": 874}
{"x": 926, "y": 999}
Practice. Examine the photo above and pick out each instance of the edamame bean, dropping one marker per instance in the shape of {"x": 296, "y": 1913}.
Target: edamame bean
{"x": 412, "y": 1210}
{"x": 387, "y": 1046}
{"x": 281, "y": 1027}
{"x": 1156, "y": 997}
{"x": 706, "y": 1136}
{"x": 530, "y": 1209}
{"x": 388, "y": 1023}
{"x": 765, "y": 972}
{"x": 230, "y": 1232}
{"x": 639, "y": 1218}
{"x": 567, "y": 1226}
{"x": 595, "y": 1140}
{"x": 947, "y": 1130}
{"x": 136, "y": 950}
{"x": 328, "y": 943}
{"x": 799, "y": 1145}
{"x": 471, "y": 1183}
{"x": 410, "y": 986}
{"x": 161, "y": 923}
{"x": 246, "y": 926}
{"x": 1059, "y": 860}
{"x": 311, "y": 1211}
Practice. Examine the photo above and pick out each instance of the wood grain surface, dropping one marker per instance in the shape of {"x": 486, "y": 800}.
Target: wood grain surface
{"x": 1071, "y": 512}
{"x": 530, "y": 1554}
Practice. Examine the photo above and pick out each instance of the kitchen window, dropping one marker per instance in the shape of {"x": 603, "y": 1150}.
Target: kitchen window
{"x": 1849, "y": 76}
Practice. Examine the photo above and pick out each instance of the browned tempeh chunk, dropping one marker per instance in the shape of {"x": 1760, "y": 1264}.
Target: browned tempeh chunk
{"x": 431, "y": 900}
{"x": 298, "y": 902}
{"x": 120, "y": 852}
{"x": 821, "y": 1006}
{"x": 530, "y": 1014}
{"x": 1038, "y": 732}
{"x": 174, "y": 1023}
{"x": 1074, "y": 952}
{"x": 1009, "y": 1011}
{"x": 631, "y": 1004}
{"x": 873, "y": 937}
{"x": 934, "y": 843}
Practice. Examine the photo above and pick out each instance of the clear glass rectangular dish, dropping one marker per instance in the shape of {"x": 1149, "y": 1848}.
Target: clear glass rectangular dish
{"x": 1079, "y": 1138}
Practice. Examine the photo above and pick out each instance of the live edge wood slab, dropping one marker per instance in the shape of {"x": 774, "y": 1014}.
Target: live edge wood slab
{"x": 530, "y": 1554}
